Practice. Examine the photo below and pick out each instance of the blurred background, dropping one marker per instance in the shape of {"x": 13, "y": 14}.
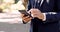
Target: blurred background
{"x": 12, "y": 5}
{"x": 9, "y": 16}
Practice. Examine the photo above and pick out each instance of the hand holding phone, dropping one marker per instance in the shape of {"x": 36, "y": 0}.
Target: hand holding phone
{"x": 25, "y": 16}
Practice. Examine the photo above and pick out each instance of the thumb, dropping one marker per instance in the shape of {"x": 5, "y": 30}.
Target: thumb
{"x": 30, "y": 11}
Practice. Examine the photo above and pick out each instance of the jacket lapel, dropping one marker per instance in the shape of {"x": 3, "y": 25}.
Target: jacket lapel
{"x": 43, "y": 2}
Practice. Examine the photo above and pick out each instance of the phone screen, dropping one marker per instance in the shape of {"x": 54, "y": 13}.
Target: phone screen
{"x": 24, "y": 12}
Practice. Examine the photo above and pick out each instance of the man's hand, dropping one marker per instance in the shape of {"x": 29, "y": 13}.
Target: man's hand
{"x": 36, "y": 13}
{"x": 26, "y": 18}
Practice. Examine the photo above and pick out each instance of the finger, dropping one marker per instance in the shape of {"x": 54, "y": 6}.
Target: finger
{"x": 26, "y": 17}
{"x": 34, "y": 15}
{"x": 30, "y": 11}
{"x": 22, "y": 15}
{"x": 37, "y": 10}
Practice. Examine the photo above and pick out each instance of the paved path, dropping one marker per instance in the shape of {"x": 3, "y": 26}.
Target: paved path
{"x": 7, "y": 27}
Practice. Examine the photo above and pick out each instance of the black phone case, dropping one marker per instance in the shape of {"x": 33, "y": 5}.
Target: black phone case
{"x": 24, "y": 12}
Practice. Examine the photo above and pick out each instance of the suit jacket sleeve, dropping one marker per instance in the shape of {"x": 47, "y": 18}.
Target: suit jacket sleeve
{"x": 54, "y": 17}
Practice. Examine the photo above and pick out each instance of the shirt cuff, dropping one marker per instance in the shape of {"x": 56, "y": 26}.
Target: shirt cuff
{"x": 44, "y": 16}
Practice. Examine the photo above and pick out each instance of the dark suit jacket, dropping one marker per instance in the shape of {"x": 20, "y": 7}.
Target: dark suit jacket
{"x": 52, "y": 20}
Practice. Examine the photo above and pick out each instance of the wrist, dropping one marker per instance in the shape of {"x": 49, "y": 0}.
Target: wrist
{"x": 42, "y": 16}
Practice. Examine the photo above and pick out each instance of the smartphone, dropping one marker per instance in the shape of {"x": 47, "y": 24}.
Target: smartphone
{"x": 24, "y": 12}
